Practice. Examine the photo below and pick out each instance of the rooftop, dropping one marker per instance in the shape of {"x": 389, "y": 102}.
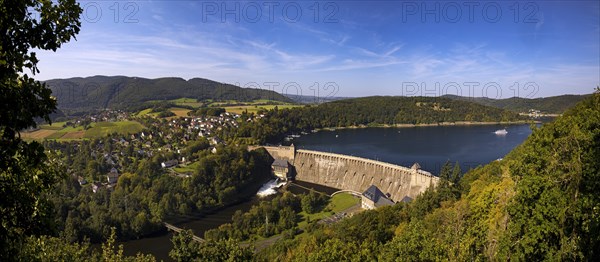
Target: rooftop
{"x": 280, "y": 163}
{"x": 379, "y": 198}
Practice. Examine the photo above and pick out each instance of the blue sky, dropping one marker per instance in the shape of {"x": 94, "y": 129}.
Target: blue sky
{"x": 349, "y": 48}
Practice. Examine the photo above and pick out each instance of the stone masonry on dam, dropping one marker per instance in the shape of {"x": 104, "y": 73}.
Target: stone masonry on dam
{"x": 355, "y": 173}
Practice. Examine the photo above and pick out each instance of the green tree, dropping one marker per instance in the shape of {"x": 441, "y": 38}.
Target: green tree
{"x": 226, "y": 250}
{"x": 25, "y": 25}
{"x": 313, "y": 202}
{"x": 110, "y": 253}
{"x": 184, "y": 246}
{"x": 287, "y": 218}
{"x": 47, "y": 248}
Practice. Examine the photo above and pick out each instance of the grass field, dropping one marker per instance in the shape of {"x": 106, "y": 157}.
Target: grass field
{"x": 54, "y": 126}
{"x": 184, "y": 101}
{"x": 252, "y": 107}
{"x": 103, "y": 128}
{"x": 186, "y": 169}
{"x": 73, "y": 135}
{"x": 55, "y": 135}
{"x": 220, "y": 103}
{"x": 72, "y": 129}
{"x": 264, "y": 101}
{"x": 145, "y": 112}
{"x": 342, "y": 201}
{"x": 252, "y": 103}
{"x": 56, "y": 131}
{"x": 255, "y": 108}
{"x": 176, "y": 110}
{"x": 38, "y": 134}
{"x": 179, "y": 111}
{"x": 336, "y": 204}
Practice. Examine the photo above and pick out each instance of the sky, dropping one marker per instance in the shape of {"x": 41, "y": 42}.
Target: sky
{"x": 494, "y": 49}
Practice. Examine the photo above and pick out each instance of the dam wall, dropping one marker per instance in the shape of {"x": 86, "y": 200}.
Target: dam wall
{"x": 279, "y": 152}
{"x": 353, "y": 173}
{"x": 356, "y": 173}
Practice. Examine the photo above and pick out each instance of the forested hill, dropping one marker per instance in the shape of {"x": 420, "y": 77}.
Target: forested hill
{"x": 122, "y": 92}
{"x": 369, "y": 111}
{"x": 406, "y": 110}
{"x": 548, "y": 105}
{"x": 308, "y": 99}
{"x": 540, "y": 203}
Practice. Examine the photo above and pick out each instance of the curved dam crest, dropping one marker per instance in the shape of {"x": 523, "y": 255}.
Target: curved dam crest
{"x": 353, "y": 173}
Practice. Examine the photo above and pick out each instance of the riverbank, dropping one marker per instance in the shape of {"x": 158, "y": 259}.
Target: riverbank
{"x": 458, "y": 123}
{"x": 159, "y": 243}
{"x": 246, "y": 195}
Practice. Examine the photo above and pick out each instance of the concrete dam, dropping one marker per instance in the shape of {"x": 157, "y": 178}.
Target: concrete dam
{"x": 354, "y": 173}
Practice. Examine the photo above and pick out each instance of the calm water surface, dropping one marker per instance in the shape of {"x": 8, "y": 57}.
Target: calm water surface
{"x": 431, "y": 147}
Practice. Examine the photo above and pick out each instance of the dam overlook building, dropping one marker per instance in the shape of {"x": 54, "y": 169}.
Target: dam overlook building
{"x": 353, "y": 173}
{"x": 373, "y": 198}
{"x": 281, "y": 169}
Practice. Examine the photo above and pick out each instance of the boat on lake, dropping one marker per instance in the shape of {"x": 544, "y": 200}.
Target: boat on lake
{"x": 501, "y": 132}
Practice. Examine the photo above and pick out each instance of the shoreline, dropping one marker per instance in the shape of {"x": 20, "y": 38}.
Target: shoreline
{"x": 458, "y": 123}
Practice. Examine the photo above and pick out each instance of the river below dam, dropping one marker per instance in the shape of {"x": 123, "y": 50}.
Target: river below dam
{"x": 160, "y": 244}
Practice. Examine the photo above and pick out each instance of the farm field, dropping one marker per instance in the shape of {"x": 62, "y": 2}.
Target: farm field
{"x": 179, "y": 111}
{"x": 54, "y": 126}
{"x": 220, "y": 103}
{"x": 73, "y": 135}
{"x": 57, "y": 131}
{"x": 256, "y": 108}
{"x": 184, "y": 101}
{"x": 38, "y": 134}
{"x": 104, "y": 128}
{"x": 232, "y": 106}
{"x": 176, "y": 110}
{"x": 254, "y": 102}
{"x": 146, "y": 112}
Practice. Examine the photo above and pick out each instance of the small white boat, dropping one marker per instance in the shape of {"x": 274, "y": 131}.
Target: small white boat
{"x": 336, "y": 135}
{"x": 501, "y": 132}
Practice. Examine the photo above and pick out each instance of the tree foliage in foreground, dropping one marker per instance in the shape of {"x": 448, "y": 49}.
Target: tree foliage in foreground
{"x": 185, "y": 249}
{"x": 46, "y": 248}
{"x": 26, "y": 25}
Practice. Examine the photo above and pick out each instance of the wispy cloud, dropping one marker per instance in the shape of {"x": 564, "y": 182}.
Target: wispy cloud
{"x": 365, "y": 44}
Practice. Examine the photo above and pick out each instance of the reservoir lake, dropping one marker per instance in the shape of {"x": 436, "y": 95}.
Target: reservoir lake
{"x": 430, "y": 146}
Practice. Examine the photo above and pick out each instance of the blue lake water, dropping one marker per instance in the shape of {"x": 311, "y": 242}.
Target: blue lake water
{"x": 431, "y": 146}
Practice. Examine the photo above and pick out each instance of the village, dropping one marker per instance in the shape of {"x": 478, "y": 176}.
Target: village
{"x": 170, "y": 136}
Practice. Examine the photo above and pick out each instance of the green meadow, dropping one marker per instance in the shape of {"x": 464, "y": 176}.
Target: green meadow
{"x": 57, "y": 131}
